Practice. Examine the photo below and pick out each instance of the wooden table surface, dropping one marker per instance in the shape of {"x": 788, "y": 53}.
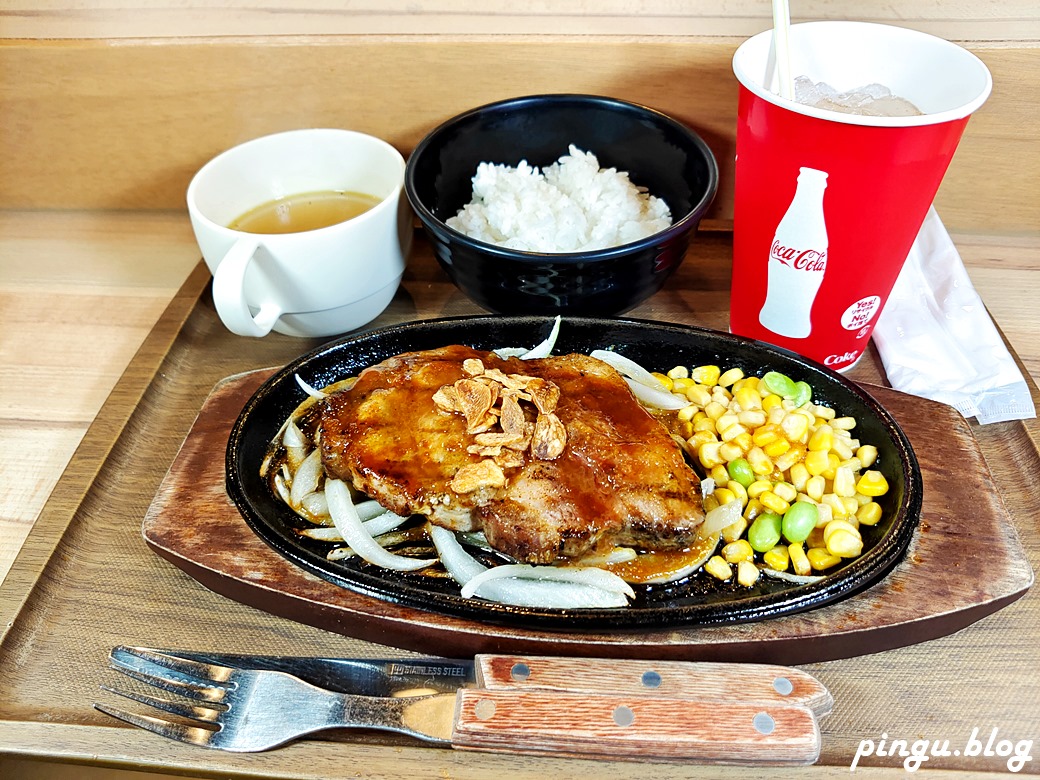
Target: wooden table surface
{"x": 79, "y": 291}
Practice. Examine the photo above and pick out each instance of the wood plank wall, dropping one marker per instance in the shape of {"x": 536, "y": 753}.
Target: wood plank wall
{"x": 115, "y": 105}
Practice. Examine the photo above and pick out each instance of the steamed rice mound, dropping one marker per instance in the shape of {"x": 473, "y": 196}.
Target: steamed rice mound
{"x": 572, "y": 205}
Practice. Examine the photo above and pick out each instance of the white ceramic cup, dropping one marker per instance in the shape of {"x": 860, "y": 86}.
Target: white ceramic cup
{"x": 319, "y": 282}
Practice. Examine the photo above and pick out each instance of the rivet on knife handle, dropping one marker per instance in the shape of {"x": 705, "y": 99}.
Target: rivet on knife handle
{"x": 635, "y": 727}
{"x": 711, "y": 680}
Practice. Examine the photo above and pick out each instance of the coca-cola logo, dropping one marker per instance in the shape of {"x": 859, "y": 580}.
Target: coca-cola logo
{"x": 799, "y": 259}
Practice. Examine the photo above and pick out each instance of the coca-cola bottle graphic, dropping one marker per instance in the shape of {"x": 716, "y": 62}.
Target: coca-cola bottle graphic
{"x": 797, "y": 260}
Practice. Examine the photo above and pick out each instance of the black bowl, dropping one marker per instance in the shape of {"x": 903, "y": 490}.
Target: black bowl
{"x": 658, "y": 153}
{"x": 701, "y": 599}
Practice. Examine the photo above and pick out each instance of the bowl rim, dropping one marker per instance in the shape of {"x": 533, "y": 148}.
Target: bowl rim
{"x": 679, "y": 226}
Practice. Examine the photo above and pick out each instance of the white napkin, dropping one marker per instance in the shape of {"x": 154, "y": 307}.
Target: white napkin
{"x": 937, "y": 340}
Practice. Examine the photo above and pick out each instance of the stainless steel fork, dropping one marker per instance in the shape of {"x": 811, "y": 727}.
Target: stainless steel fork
{"x": 244, "y": 710}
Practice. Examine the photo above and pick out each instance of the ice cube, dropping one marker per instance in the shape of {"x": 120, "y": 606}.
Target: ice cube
{"x": 868, "y": 100}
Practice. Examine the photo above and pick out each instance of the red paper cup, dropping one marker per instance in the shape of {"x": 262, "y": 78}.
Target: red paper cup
{"x": 827, "y": 204}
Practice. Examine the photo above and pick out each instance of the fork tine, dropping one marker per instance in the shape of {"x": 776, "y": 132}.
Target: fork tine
{"x": 195, "y": 735}
{"x": 185, "y": 688}
{"x": 145, "y": 658}
{"x": 207, "y": 713}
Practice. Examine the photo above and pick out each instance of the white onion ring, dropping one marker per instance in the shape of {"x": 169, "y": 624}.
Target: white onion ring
{"x": 545, "y": 348}
{"x": 628, "y": 368}
{"x": 305, "y": 480}
{"x": 589, "y": 577}
{"x": 786, "y": 576}
{"x": 660, "y": 399}
{"x": 313, "y": 393}
{"x": 721, "y": 517}
{"x": 345, "y": 517}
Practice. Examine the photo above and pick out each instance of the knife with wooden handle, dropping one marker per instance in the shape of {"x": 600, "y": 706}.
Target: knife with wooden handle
{"x": 707, "y": 680}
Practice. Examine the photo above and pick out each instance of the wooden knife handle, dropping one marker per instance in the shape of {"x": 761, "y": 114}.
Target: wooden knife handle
{"x": 707, "y": 680}
{"x": 617, "y": 726}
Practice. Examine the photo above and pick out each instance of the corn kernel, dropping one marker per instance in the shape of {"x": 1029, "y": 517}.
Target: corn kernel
{"x": 767, "y": 434}
{"x": 760, "y": 463}
{"x": 826, "y": 515}
{"x": 720, "y": 475}
{"x": 744, "y": 442}
{"x": 710, "y": 502}
{"x": 786, "y": 491}
{"x": 748, "y": 398}
{"x": 873, "y": 484}
{"x": 844, "y": 482}
{"x": 836, "y": 504}
{"x": 734, "y": 531}
{"x": 823, "y": 412}
{"x": 758, "y": 487}
{"x": 867, "y": 455}
{"x": 820, "y": 558}
{"x": 726, "y": 420}
{"x": 771, "y": 401}
{"x": 679, "y": 372}
{"x": 700, "y": 438}
{"x": 730, "y": 451}
{"x": 733, "y": 431}
{"x": 814, "y": 487}
{"x": 869, "y": 514}
{"x": 705, "y": 424}
{"x": 721, "y": 394}
{"x": 822, "y": 439}
{"x": 740, "y": 550}
{"x": 799, "y": 562}
{"x": 844, "y": 423}
{"x": 816, "y": 461}
{"x": 714, "y": 409}
{"x": 706, "y": 375}
{"x": 729, "y": 377}
{"x": 845, "y": 544}
{"x": 664, "y": 379}
{"x": 799, "y": 476}
{"x": 698, "y": 394}
{"x": 791, "y": 458}
{"x": 834, "y": 526}
{"x": 751, "y": 418}
{"x": 795, "y": 426}
{"x": 747, "y": 573}
{"x": 777, "y": 559}
{"x": 718, "y": 568}
{"x": 724, "y": 496}
{"x": 776, "y": 448}
{"x": 832, "y": 465}
{"x": 861, "y": 500}
{"x": 773, "y": 502}
{"x": 853, "y": 463}
{"x": 851, "y": 506}
{"x": 815, "y": 538}
{"x": 753, "y": 509}
{"x": 682, "y": 384}
{"x": 738, "y": 490}
{"x": 708, "y": 454}
{"x": 686, "y": 413}
{"x": 842, "y": 449}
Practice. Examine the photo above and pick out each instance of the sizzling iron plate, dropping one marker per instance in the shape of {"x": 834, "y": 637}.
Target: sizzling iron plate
{"x": 699, "y": 600}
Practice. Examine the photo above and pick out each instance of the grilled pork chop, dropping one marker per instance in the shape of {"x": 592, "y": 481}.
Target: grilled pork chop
{"x": 563, "y": 460}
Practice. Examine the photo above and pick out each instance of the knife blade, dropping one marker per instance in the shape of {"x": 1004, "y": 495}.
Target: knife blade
{"x": 717, "y": 681}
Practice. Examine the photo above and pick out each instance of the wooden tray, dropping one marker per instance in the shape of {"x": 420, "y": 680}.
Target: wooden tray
{"x": 938, "y": 588}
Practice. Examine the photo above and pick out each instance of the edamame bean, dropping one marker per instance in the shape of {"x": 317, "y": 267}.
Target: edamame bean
{"x": 799, "y": 521}
{"x": 764, "y": 533}
{"x": 778, "y": 383}
{"x": 802, "y": 393}
{"x": 740, "y": 471}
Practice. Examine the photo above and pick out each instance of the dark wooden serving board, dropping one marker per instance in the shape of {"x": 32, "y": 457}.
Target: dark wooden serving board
{"x": 965, "y": 562}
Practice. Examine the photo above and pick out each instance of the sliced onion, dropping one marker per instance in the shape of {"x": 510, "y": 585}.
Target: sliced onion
{"x": 305, "y": 480}
{"x": 381, "y": 524}
{"x": 460, "y": 564}
{"x": 614, "y": 555}
{"x": 315, "y": 504}
{"x": 367, "y": 510}
{"x": 545, "y": 594}
{"x": 313, "y": 393}
{"x": 293, "y": 436}
{"x": 590, "y": 576}
{"x": 660, "y": 399}
{"x": 345, "y": 516}
{"x": 707, "y": 487}
{"x": 628, "y": 368}
{"x": 546, "y": 347}
{"x": 786, "y": 576}
{"x": 721, "y": 517}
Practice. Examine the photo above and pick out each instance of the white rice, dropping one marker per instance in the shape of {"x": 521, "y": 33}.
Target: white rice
{"x": 572, "y": 205}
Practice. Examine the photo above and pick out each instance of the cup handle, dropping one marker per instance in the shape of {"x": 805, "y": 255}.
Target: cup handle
{"x": 229, "y": 293}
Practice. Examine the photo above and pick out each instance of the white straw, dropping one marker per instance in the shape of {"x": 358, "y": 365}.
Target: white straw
{"x": 781, "y": 45}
